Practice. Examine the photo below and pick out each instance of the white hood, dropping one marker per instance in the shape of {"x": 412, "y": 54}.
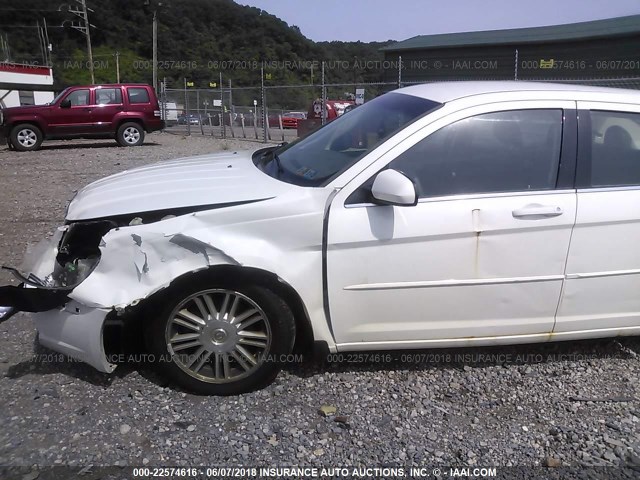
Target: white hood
{"x": 195, "y": 181}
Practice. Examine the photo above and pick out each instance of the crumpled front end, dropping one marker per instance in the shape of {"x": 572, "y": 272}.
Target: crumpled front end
{"x": 99, "y": 271}
{"x": 49, "y": 273}
{"x": 89, "y": 270}
{"x": 55, "y": 266}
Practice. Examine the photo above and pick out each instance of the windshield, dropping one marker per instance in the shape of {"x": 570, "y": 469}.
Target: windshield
{"x": 58, "y": 97}
{"x": 317, "y": 159}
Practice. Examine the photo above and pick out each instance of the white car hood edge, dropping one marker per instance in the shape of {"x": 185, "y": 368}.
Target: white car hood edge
{"x": 202, "y": 181}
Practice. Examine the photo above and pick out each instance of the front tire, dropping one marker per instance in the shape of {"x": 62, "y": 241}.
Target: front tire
{"x": 26, "y": 137}
{"x": 221, "y": 340}
{"x": 130, "y": 134}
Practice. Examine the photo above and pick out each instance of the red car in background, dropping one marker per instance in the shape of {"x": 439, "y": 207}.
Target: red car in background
{"x": 290, "y": 119}
{"x": 333, "y": 109}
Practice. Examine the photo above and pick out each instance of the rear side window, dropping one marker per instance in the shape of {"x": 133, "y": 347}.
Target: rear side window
{"x": 108, "y": 96}
{"x": 510, "y": 151}
{"x": 615, "y": 149}
{"x": 138, "y": 95}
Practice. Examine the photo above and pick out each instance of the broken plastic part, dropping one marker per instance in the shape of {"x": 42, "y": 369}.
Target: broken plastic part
{"x": 66, "y": 258}
{"x": 6, "y": 313}
{"x": 39, "y": 260}
{"x": 31, "y": 299}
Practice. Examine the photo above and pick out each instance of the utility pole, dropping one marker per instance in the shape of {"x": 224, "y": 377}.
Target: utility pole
{"x": 155, "y": 49}
{"x": 47, "y": 44}
{"x": 85, "y": 29}
{"x": 42, "y": 43}
{"x": 117, "y": 54}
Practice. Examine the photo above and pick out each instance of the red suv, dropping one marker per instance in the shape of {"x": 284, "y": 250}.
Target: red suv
{"x": 123, "y": 112}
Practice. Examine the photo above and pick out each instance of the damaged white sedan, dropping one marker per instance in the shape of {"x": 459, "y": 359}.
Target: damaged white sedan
{"x": 440, "y": 215}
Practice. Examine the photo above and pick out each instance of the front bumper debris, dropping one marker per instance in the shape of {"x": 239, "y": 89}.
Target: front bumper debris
{"x": 6, "y": 313}
{"x": 77, "y": 331}
{"x": 53, "y": 268}
{"x": 31, "y": 299}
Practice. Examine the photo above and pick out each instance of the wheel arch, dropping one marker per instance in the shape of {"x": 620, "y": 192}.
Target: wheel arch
{"x": 27, "y": 121}
{"x": 238, "y": 275}
{"x": 121, "y": 121}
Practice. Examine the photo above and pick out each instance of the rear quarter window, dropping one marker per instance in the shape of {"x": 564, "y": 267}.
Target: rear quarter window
{"x": 138, "y": 95}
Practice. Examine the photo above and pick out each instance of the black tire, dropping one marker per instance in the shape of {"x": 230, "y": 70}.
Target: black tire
{"x": 26, "y": 137}
{"x": 278, "y": 325}
{"x": 130, "y": 134}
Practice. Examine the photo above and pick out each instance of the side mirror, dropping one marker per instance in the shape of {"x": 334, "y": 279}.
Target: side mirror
{"x": 393, "y": 188}
{"x": 65, "y": 104}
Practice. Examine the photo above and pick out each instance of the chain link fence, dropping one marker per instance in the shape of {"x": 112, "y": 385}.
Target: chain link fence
{"x": 276, "y": 113}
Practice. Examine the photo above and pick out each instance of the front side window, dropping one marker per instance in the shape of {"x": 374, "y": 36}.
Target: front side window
{"x": 509, "y": 151}
{"x": 79, "y": 98}
{"x": 138, "y": 95}
{"x": 615, "y": 149}
{"x": 59, "y": 96}
{"x": 317, "y": 159}
{"x": 108, "y": 96}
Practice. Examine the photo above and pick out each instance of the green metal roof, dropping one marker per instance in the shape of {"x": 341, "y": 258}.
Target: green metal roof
{"x": 609, "y": 27}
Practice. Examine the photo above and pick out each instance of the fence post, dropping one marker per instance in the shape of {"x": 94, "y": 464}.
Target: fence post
{"x": 244, "y": 133}
{"x": 324, "y": 99}
{"x": 223, "y": 128}
{"x": 233, "y": 134}
{"x": 399, "y": 71}
{"x": 255, "y": 121}
{"x": 186, "y": 107}
{"x": 198, "y": 111}
{"x": 231, "y": 110}
{"x": 163, "y": 95}
{"x": 515, "y": 73}
{"x": 265, "y": 128}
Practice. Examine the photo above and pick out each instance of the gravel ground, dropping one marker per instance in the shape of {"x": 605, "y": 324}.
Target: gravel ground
{"x": 570, "y": 404}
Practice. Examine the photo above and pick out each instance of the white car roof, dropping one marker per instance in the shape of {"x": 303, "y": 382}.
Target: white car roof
{"x": 444, "y": 92}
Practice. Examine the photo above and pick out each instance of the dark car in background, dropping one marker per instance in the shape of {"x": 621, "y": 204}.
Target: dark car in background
{"x": 120, "y": 111}
{"x": 191, "y": 119}
{"x": 349, "y": 108}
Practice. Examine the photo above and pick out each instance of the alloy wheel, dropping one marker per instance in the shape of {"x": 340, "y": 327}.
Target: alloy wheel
{"x": 131, "y": 135}
{"x": 27, "y": 137}
{"x": 218, "y": 336}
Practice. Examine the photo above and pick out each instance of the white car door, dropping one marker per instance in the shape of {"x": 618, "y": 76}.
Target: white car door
{"x": 483, "y": 252}
{"x": 602, "y": 291}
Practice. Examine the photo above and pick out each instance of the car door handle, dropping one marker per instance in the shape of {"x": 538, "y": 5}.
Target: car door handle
{"x": 537, "y": 211}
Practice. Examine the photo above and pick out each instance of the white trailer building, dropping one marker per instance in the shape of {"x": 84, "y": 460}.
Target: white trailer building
{"x": 22, "y": 84}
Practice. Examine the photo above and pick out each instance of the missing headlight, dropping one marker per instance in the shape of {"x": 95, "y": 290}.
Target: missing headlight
{"x": 79, "y": 252}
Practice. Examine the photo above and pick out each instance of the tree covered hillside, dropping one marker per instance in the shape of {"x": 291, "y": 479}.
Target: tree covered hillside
{"x": 198, "y": 39}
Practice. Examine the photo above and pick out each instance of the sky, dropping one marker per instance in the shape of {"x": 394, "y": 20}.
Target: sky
{"x": 380, "y": 20}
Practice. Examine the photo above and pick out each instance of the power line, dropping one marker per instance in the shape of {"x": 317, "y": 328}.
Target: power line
{"x": 30, "y": 10}
{"x": 28, "y": 26}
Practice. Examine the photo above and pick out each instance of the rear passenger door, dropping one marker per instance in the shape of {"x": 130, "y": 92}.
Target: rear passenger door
{"x": 602, "y": 286}
{"x": 108, "y": 103}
